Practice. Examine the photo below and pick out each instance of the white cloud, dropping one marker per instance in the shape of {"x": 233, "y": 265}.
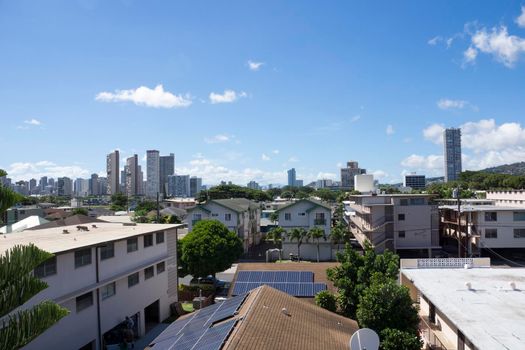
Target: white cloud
{"x": 326, "y": 176}
{"x": 434, "y": 41}
{"x": 293, "y": 159}
{"x": 33, "y": 122}
{"x": 27, "y": 170}
{"x": 275, "y": 151}
{"x": 430, "y": 162}
{"x": 521, "y": 19}
{"x": 219, "y": 138}
{"x": 486, "y": 135}
{"x": 379, "y": 174}
{"x": 254, "y": 66}
{"x": 144, "y": 96}
{"x": 355, "y": 118}
{"x": 434, "y": 133}
{"x": 227, "y": 97}
{"x": 446, "y": 103}
{"x": 497, "y": 42}
{"x": 265, "y": 157}
{"x": 390, "y": 130}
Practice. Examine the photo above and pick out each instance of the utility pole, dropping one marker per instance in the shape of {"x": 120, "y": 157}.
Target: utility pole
{"x": 456, "y": 194}
{"x": 158, "y": 210}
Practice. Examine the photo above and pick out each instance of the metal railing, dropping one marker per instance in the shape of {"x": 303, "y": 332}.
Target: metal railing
{"x": 427, "y": 333}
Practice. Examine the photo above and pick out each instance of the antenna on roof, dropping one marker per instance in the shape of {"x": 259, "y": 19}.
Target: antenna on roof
{"x": 364, "y": 339}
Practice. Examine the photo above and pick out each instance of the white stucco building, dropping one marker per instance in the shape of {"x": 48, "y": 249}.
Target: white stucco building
{"x": 101, "y": 276}
{"x": 473, "y": 308}
{"x": 399, "y": 222}
{"x": 240, "y": 215}
{"x": 510, "y": 198}
{"x": 306, "y": 214}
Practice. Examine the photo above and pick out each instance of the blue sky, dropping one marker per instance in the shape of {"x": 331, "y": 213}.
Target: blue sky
{"x": 244, "y": 90}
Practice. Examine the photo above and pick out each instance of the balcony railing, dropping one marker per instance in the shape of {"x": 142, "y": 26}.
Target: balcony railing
{"x": 320, "y": 222}
{"x": 428, "y": 333}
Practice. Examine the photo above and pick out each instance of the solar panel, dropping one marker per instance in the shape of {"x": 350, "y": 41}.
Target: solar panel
{"x": 255, "y": 276}
{"x": 215, "y": 336}
{"x": 294, "y": 276}
{"x": 317, "y": 287}
{"x": 307, "y": 276}
{"x": 226, "y": 309}
{"x": 280, "y": 276}
{"x": 243, "y": 276}
{"x": 268, "y": 276}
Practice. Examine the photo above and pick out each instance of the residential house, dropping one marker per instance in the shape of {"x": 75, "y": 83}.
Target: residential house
{"x": 306, "y": 214}
{"x": 102, "y": 273}
{"x": 240, "y": 215}
{"x": 404, "y": 223}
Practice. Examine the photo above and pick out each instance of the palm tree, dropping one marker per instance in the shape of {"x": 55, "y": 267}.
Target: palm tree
{"x": 316, "y": 233}
{"x": 337, "y": 236}
{"x": 18, "y": 285}
{"x": 276, "y": 234}
{"x": 274, "y": 217}
{"x": 298, "y": 234}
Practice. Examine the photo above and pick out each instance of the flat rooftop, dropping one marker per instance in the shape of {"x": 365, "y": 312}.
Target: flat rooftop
{"x": 491, "y": 314}
{"x": 393, "y": 195}
{"x": 53, "y": 240}
{"x": 474, "y": 208}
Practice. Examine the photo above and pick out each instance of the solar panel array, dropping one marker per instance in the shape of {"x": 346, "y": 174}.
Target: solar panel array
{"x": 295, "y": 283}
{"x": 201, "y": 331}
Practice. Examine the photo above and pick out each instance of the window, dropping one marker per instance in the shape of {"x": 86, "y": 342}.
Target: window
{"x": 161, "y": 267}
{"x": 403, "y": 202}
{"x": 84, "y": 301}
{"x": 287, "y": 216}
{"x": 197, "y": 216}
{"x": 491, "y": 216}
{"x": 519, "y": 215}
{"x": 227, "y": 217}
{"x": 301, "y": 214}
{"x": 401, "y": 217}
{"x": 417, "y": 201}
{"x": 148, "y": 240}
{"x": 160, "y": 237}
{"x": 133, "y": 279}
{"x": 401, "y": 234}
{"x": 133, "y": 244}
{"x": 491, "y": 233}
{"x": 149, "y": 272}
{"x": 214, "y": 215}
{"x": 519, "y": 233}
{"x": 47, "y": 268}
{"x": 108, "y": 290}
{"x": 107, "y": 251}
{"x": 82, "y": 257}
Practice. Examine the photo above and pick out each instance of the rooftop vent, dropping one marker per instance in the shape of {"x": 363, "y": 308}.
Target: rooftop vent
{"x": 285, "y": 312}
{"x": 65, "y": 231}
{"x": 129, "y": 224}
{"x": 82, "y": 228}
{"x": 513, "y": 285}
{"x": 94, "y": 226}
{"x": 467, "y": 266}
{"x": 468, "y": 285}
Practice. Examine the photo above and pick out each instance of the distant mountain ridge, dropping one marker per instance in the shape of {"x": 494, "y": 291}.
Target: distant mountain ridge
{"x": 509, "y": 169}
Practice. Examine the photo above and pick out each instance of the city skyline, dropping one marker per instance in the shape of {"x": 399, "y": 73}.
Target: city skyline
{"x": 298, "y": 86}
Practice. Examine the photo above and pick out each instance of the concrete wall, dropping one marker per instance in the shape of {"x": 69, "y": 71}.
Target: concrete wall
{"x": 309, "y": 251}
{"x": 505, "y": 226}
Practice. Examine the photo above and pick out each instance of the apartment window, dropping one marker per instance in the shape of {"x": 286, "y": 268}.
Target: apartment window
{"x": 108, "y": 290}
{"x": 401, "y": 217}
{"x": 84, "y": 301}
{"x": 149, "y": 272}
{"x": 161, "y": 267}
{"x": 160, "y": 237}
{"x": 227, "y": 217}
{"x": 133, "y": 244}
{"x": 107, "y": 251}
{"x": 401, "y": 234}
{"x": 47, "y": 268}
{"x": 403, "y": 202}
{"x": 519, "y": 233}
{"x": 519, "y": 215}
{"x": 491, "y": 216}
{"x": 491, "y": 233}
{"x": 287, "y": 216}
{"x": 148, "y": 240}
{"x": 417, "y": 201}
{"x": 133, "y": 279}
{"x": 197, "y": 216}
{"x": 82, "y": 257}
{"x": 301, "y": 214}
{"x": 214, "y": 215}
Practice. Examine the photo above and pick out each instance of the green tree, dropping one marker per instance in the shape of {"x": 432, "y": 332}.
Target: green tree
{"x": 80, "y": 211}
{"x": 209, "y": 248}
{"x": 276, "y": 235}
{"x": 171, "y": 219}
{"x": 119, "y": 202}
{"x": 146, "y": 206}
{"x": 298, "y": 234}
{"x": 8, "y": 197}
{"x": 287, "y": 194}
{"x": 386, "y": 304}
{"x": 274, "y": 217}
{"x": 18, "y": 285}
{"x": 316, "y": 233}
{"x": 326, "y": 300}
{"x": 338, "y": 235}
{"x": 326, "y": 195}
{"x": 394, "y": 339}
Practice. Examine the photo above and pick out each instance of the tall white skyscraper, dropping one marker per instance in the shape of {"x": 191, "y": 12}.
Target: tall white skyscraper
{"x": 452, "y": 150}
{"x": 152, "y": 173}
{"x": 113, "y": 171}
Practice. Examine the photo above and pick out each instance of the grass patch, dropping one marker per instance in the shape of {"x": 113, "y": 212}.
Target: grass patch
{"x": 188, "y": 307}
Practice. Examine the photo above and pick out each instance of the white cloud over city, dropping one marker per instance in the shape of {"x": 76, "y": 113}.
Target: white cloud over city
{"x": 254, "y": 66}
{"x": 27, "y": 170}
{"x": 228, "y": 96}
{"x": 144, "y": 96}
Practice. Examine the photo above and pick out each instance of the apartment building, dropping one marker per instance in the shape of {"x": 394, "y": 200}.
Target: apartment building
{"x": 464, "y": 304}
{"x": 452, "y": 153}
{"x": 414, "y": 181}
{"x": 152, "y": 173}
{"x": 113, "y": 171}
{"x": 101, "y": 274}
{"x": 307, "y": 214}
{"x": 240, "y": 215}
{"x": 404, "y": 223}
{"x": 484, "y": 228}
{"x": 514, "y": 198}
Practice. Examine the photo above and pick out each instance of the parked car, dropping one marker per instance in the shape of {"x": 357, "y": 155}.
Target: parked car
{"x": 210, "y": 281}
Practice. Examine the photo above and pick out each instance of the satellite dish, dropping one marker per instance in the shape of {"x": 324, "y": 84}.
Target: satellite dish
{"x": 364, "y": 339}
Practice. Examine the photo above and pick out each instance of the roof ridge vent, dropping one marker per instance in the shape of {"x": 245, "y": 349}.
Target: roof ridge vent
{"x": 513, "y": 285}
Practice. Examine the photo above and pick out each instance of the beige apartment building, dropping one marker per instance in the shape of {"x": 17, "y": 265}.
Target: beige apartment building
{"x": 399, "y": 222}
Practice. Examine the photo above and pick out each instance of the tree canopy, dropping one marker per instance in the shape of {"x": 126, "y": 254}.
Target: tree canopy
{"x": 119, "y": 202}
{"x": 209, "y": 248}
{"x": 233, "y": 191}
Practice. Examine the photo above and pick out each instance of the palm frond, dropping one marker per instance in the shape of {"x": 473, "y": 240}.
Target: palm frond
{"x": 18, "y": 292}
{"x": 20, "y": 261}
